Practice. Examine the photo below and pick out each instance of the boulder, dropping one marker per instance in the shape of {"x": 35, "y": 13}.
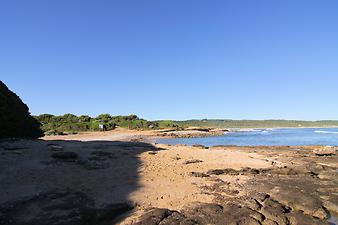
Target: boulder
{"x": 326, "y": 151}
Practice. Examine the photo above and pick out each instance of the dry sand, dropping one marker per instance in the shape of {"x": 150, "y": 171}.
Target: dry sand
{"x": 118, "y": 134}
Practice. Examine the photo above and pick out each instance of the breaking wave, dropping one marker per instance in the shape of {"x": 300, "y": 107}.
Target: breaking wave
{"x": 326, "y": 132}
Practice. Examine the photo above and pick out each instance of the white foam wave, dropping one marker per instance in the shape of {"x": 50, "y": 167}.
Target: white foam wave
{"x": 326, "y": 132}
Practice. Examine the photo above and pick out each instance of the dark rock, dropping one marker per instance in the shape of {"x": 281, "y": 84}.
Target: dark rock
{"x": 15, "y": 118}
{"x": 219, "y": 146}
{"x": 208, "y": 213}
{"x": 223, "y": 171}
{"x": 244, "y": 171}
{"x": 193, "y": 161}
{"x": 248, "y": 170}
{"x": 154, "y": 216}
{"x": 205, "y": 213}
{"x": 199, "y": 174}
{"x": 101, "y": 155}
{"x": 270, "y": 213}
{"x": 253, "y": 204}
{"x": 12, "y": 152}
{"x": 152, "y": 153}
{"x": 260, "y": 197}
{"x": 11, "y": 147}
{"x": 249, "y": 221}
{"x": 97, "y": 158}
{"x": 56, "y": 148}
{"x": 275, "y": 211}
{"x": 65, "y": 156}
{"x": 199, "y": 146}
{"x": 63, "y": 208}
{"x": 301, "y": 201}
{"x": 93, "y": 165}
{"x": 285, "y": 171}
{"x": 269, "y": 222}
{"x": 303, "y": 219}
{"x": 176, "y": 218}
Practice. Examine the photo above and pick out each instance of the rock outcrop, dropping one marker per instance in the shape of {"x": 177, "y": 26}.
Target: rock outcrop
{"x": 326, "y": 151}
{"x": 15, "y": 119}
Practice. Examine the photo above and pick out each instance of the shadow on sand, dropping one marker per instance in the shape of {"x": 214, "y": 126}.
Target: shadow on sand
{"x": 67, "y": 182}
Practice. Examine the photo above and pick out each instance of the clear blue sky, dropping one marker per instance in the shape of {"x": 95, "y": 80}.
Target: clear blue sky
{"x": 173, "y": 59}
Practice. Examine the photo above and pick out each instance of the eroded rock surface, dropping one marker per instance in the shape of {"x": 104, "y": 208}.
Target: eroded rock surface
{"x": 300, "y": 188}
{"x": 59, "y": 208}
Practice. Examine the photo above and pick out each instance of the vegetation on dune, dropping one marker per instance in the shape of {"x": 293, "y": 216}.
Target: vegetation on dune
{"x": 15, "y": 119}
{"x": 69, "y": 123}
{"x": 164, "y": 124}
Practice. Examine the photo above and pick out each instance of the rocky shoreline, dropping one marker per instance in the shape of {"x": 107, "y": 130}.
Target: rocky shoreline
{"x": 126, "y": 182}
{"x": 300, "y": 188}
{"x": 191, "y": 133}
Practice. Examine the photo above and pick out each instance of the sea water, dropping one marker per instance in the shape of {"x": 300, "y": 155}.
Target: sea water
{"x": 265, "y": 137}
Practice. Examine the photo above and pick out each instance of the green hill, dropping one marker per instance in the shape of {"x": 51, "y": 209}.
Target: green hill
{"x": 256, "y": 123}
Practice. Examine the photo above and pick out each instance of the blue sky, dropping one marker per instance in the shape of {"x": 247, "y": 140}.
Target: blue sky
{"x": 177, "y": 59}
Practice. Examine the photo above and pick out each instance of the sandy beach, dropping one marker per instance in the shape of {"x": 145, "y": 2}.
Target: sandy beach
{"x": 123, "y": 177}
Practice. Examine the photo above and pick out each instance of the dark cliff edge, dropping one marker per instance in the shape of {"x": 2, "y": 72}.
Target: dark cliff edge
{"x": 15, "y": 119}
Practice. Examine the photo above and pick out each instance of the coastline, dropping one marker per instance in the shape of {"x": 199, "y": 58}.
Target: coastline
{"x": 151, "y": 136}
{"x": 125, "y": 134}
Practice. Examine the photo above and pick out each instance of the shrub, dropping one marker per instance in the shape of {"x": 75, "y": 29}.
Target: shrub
{"x": 84, "y": 118}
{"x": 103, "y": 117}
{"x": 71, "y": 123}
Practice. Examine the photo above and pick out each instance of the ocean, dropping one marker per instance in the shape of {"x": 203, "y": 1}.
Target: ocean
{"x": 265, "y": 137}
